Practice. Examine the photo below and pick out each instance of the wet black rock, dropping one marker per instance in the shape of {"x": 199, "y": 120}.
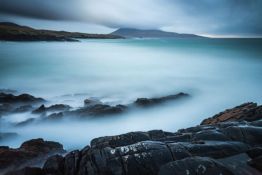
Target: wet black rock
{"x": 53, "y": 108}
{"x": 256, "y": 158}
{"x": 98, "y": 110}
{"x": 145, "y": 102}
{"x": 54, "y": 165}
{"x": 195, "y": 166}
{"x": 255, "y": 152}
{"x": 129, "y": 138}
{"x": 256, "y": 163}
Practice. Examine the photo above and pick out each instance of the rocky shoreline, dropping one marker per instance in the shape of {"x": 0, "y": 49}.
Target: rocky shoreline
{"x": 229, "y": 143}
{"x": 12, "y": 104}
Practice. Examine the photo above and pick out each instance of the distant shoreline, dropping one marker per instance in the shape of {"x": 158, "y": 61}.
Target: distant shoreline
{"x": 15, "y": 32}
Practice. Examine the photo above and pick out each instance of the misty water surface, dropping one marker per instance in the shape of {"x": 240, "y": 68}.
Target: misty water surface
{"x": 217, "y": 73}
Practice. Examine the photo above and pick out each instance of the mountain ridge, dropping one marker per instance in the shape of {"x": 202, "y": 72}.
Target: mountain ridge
{"x": 151, "y": 33}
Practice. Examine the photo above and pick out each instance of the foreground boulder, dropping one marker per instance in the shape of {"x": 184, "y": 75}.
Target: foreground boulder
{"x": 158, "y": 152}
{"x": 32, "y": 152}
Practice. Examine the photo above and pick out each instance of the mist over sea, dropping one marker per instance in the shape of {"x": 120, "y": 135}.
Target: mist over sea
{"x": 217, "y": 73}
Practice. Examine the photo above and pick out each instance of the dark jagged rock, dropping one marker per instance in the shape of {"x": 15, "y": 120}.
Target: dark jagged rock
{"x": 53, "y": 108}
{"x": 247, "y": 112}
{"x": 246, "y": 134}
{"x": 256, "y": 163}
{"x": 41, "y": 109}
{"x": 144, "y": 102}
{"x": 95, "y": 107}
{"x": 98, "y": 110}
{"x": 128, "y": 139}
{"x": 41, "y": 146}
{"x": 144, "y": 153}
{"x": 31, "y": 153}
{"x": 23, "y": 98}
{"x": 255, "y": 152}
{"x": 210, "y": 135}
{"x": 10, "y": 103}
{"x": 256, "y": 158}
{"x": 145, "y": 157}
{"x": 54, "y": 165}
{"x": 195, "y": 166}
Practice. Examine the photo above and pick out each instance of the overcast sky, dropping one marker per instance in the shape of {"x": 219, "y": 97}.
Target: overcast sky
{"x": 206, "y": 17}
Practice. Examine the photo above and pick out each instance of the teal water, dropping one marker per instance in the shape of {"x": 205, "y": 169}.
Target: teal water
{"x": 218, "y": 73}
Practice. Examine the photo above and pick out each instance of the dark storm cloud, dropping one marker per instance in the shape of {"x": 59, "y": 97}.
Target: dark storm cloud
{"x": 229, "y": 17}
{"x": 40, "y": 9}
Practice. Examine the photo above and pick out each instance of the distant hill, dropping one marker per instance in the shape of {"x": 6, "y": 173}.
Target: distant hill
{"x": 137, "y": 33}
{"x": 14, "y": 32}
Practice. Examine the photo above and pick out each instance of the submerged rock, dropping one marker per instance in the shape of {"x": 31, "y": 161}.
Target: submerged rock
{"x": 98, "y": 110}
{"x": 10, "y": 103}
{"x": 53, "y": 108}
{"x": 94, "y": 107}
{"x": 145, "y": 102}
